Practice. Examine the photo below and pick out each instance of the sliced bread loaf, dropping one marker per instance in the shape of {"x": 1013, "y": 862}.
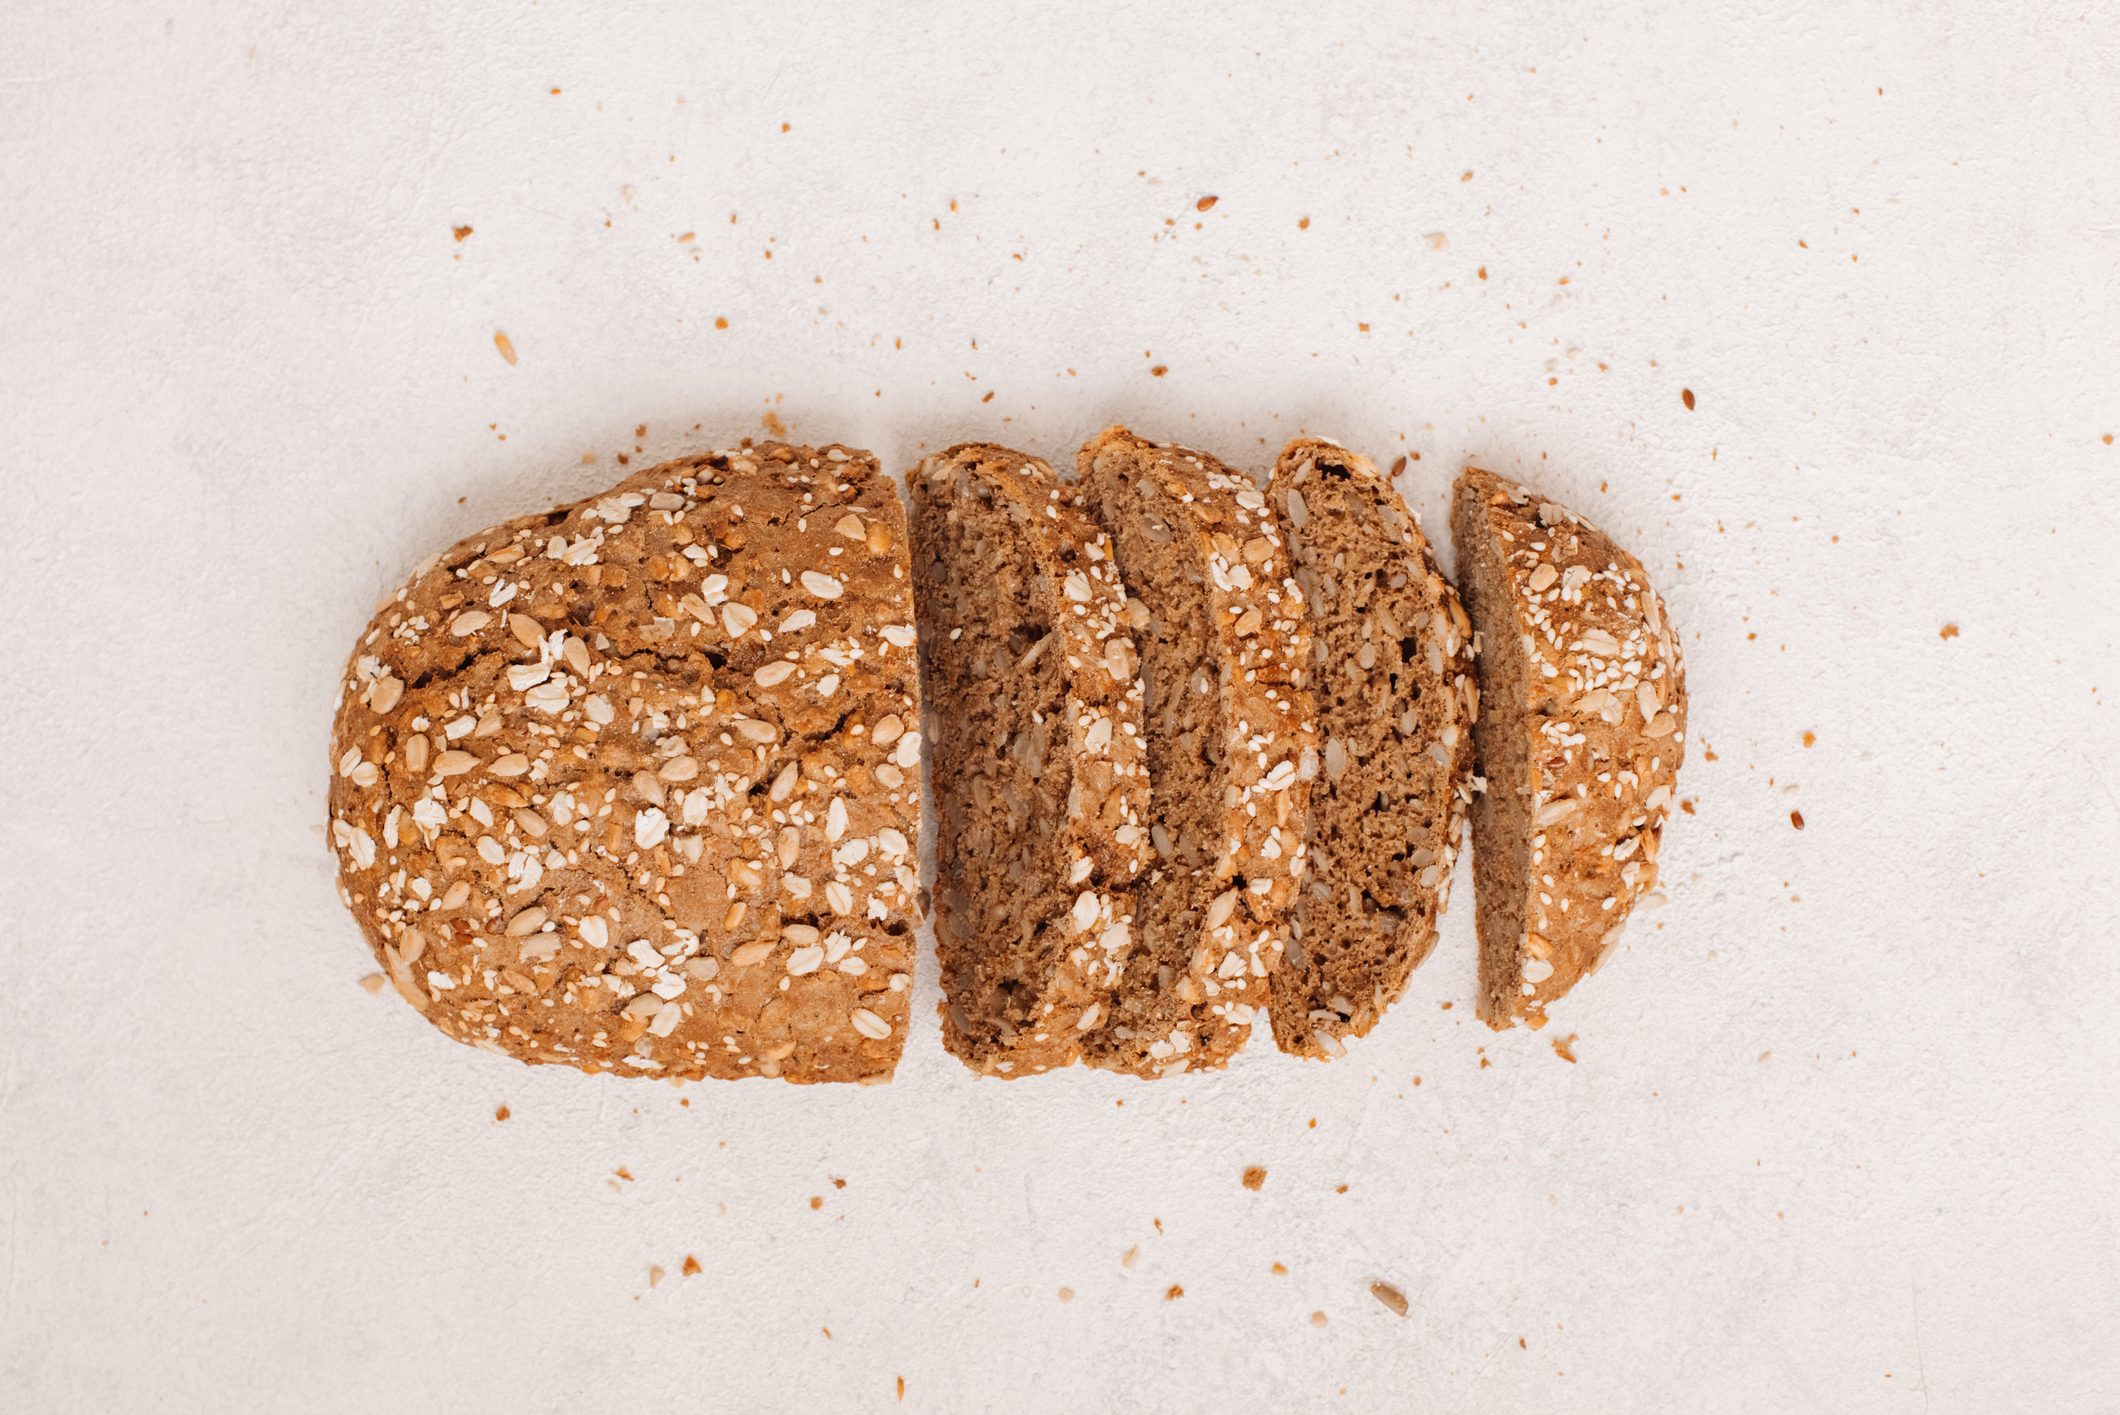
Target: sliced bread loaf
{"x": 1034, "y": 742}
{"x": 1230, "y": 731}
{"x": 633, "y": 784}
{"x": 1581, "y": 728}
{"x": 1392, "y": 676}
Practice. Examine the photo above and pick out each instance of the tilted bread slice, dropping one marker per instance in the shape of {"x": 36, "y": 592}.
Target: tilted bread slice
{"x": 1392, "y": 676}
{"x": 1034, "y": 741}
{"x": 1230, "y": 729}
{"x": 1581, "y": 729}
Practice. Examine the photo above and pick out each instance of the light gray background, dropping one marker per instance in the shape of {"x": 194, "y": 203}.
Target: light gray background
{"x": 1843, "y": 1131}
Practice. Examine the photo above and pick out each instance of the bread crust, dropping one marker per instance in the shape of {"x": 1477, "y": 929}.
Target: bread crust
{"x": 1600, "y": 728}
{"x": 1079, "y": 870}
{"x": 633, "y": 784}
{"x": 1234, "y": 912}
{"x": 1387, "y": 810}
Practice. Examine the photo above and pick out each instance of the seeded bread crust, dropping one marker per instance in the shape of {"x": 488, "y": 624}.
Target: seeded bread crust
{"x": 1581, "y": 731}
{"x": 1212, "y": 921}
{"x": 633, "y": 784}
{"x": 1034, "y": 742}
{"x": 1392, "y": 677}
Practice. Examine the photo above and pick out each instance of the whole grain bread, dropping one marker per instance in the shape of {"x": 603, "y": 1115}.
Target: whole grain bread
{"x": 1038, "y": 769}
{"x": 633, "y": 784}
{"x": 1392, "y": 677}
{"x": 1231, "y": 734}
{"x": 1581, "y": 729}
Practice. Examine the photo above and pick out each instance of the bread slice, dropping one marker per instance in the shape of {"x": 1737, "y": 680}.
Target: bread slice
{"x": 1392, "y": 676}
{"x": 1034, "y": 742}
{"x": 1581, "y": 729}
{"x": 632, "y": 784}
{"x": 1231, "y": 747}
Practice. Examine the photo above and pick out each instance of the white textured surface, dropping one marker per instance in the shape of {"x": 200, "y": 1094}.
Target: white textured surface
{"x": 1844, "y": 1131}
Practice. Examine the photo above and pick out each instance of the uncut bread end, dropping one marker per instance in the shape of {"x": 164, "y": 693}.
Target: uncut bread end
{"x": 632, "y": 784}
{"x": 1581, "y": 730}
{"x": 1392, "y": 678}
{"x": 1230, "y": 729}
{"x": 1034, "y": 742}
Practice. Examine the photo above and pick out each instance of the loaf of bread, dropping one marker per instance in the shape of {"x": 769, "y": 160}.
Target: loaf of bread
{"x": 1231, "y": 736}
{"x": 1041, "y": 789}
{"x": 1392, "y": 677}
{"x": 1582, "y": 724}
{"x": 633, "y": 784}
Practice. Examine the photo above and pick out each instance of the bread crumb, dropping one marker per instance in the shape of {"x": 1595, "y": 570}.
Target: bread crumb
{"x": 1810, "y": 739}
{"x": 1159, "y": 370}
{"x": 506, "y": 345}
{"x": 2107, "y": 439}
{"x": 1390, "y": 1296}
{"x": 691, "y": 1267}
{"x": 1067, "y": 1294}
{"x": 655, "y": 1275}
{"x": 1205, "y": 203}
{"x": 1173, "y": 1293}
{"x": 463, "y": 233}
{"x": 1304, "y": 225}
{"x": 1436, "y": 240}
{"x": 1130, "y": 1256}
{"x": 1796, "y": 819}
{"x": 373, "y": 983}
{"x": 1254, "y": 1177}
{"x": 1685, "y": 395}
{"x": 1564, "y": 1048}
{"x": 502, "y": 1112}
{"x": 1948, "y": 631}
{"x": 817, "y": 1201}
{"x": 901, "y": 1390}
{"x": 721, "y": 321}
{"x": 771, "y": 423}
{"x": 1280, "y": 1270}
{"x": 1317, "y": 1319}
{"x": 624, "y": 1173}
{"x": 1483, "y": 272}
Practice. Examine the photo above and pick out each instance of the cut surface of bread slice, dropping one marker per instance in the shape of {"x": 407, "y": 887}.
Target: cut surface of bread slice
{"x": 1581, "y": 728}
{"x": 1392, "y": 677}
{"x": 1219, "y": 621}
{"x": 632, "y": 784}
{"x": 1035, "y": 746}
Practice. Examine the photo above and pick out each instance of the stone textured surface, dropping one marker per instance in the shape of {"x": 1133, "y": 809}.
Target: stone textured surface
{"x": 1841, "y": 1134}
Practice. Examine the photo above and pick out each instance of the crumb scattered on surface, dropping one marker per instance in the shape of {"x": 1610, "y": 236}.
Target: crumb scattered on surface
{"x": 1280, "y": 1270}
{"x": 1159, "y": 370}
{"x": 1254, "y": 1177}
{"x": 1564, "y": 1048}
{"x": 502, "y": 1112}
{"x": 1067, "y": 1294}
{"x": 1130, "y": 1256}
{"x": 1205, "y": 203}
{"x": 1685, "y": 395}
{"x": 1810, "y": 739}
{"x": 373, "y": 982}
{"x": 1796, "y": 819}
{"x": 506, "y": 345}
{"x": 901, "y": 1390}
{"x": 817, "y": 1201}
{"x": 1390, "y": 1296}
{"x": 463, "y": 233}
{"x": 691, "y": 1267}
{"x": 1173, "y": 1293}
{"x": 1317, "y": 1319}
{"x": 655, "y": 1275}
{"x": 1948, "y": 631}
{"x": 624, "y": 1173}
